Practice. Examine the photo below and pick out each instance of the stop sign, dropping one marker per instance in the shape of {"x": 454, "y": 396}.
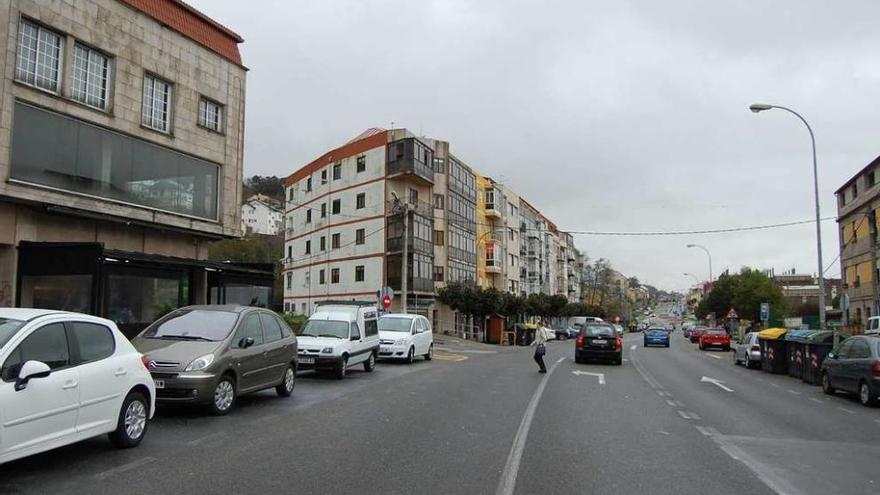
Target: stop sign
{"x": 386, "y": 302}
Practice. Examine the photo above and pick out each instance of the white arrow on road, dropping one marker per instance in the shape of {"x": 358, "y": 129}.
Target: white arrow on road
{"x": 716, "y": 382}
{"x": 600, "y": 376}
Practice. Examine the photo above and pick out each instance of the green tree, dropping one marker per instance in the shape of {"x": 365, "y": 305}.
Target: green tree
{"x": 270, "y": 186}
{"x": 744, "y": 292}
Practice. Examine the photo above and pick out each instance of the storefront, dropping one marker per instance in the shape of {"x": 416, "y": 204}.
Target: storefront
{"x": 132, "y": 289}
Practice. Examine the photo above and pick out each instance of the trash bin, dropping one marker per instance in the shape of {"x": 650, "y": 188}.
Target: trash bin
{"x": 797, "y": 340}
{"x": 774, "y": 350}
{"x": 525, "y": 333}
{"x": 817, "y": 346}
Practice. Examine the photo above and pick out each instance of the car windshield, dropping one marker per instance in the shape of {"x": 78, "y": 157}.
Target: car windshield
{"x": 394, "y": 324}
{"x": 597, "y": 331}
{"x": 657, "y": 330}
{"x": 716, "y": 332}
{"x": 194, "y": 324}
{"x": 8, "y": 328}
{"x": 325, "y": 328}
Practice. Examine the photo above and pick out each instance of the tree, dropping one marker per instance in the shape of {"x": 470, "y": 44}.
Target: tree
{"x": 270, "y": 186}
{"x": 633, "y": 283}
{"x": 744, "y": 292}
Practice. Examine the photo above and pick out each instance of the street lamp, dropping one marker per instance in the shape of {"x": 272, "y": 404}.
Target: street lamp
{"x": 760, "y": 107}
{"x": 707, "y": 254}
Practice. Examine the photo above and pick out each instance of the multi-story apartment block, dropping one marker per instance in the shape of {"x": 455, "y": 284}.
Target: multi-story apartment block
{"x": 121, "y": 144}
{"x": 261, "y": 215}
{"x": 858, "y": 200}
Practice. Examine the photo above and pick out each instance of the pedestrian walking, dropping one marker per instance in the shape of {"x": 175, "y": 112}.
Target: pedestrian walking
{"x": 540, "y": 343}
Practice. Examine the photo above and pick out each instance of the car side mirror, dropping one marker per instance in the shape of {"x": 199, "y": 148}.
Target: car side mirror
{"x": 246, "y": 342}
{"x": 29, "y": 371}
{"x": 355, "y": 337}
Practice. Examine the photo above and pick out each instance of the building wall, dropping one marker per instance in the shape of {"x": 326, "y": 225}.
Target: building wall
{"x": 259, "y": 218}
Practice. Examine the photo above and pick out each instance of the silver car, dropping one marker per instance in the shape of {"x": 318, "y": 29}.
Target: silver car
{"x": 747, "y": 351}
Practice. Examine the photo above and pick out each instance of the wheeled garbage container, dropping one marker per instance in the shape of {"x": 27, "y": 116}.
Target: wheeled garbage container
{"x": 774, "y": 350}
{"x": 797, "y": 340}
{"x": 817, "y": 346}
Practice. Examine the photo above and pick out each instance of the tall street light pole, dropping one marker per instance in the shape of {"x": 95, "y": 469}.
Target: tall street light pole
{"x": 760, "y": 107}
{"x": 711, "y": 278}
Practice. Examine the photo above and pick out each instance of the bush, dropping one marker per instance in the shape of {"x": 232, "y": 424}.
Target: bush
{"x": 295, "y": 322}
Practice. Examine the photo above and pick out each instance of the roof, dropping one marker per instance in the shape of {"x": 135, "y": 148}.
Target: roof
{"x": 232, "y": 308}
{"x": 367, "y": 140}
{"x": 189, "y": 22}
{"x": 858, "y": 174}
{"x": 26, "y": 313}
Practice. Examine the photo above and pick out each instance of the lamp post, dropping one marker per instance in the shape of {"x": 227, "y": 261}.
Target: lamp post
{"x": 760, "y": 107}
{"x": 711, "y": 278}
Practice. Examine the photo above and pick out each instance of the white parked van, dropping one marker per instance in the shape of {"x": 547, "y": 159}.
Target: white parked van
{"x": 873, "y": 326}
{"x": 339, "y": 335}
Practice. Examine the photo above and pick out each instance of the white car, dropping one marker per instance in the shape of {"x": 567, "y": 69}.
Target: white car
{"x": 66, "y": 377}
{"x": 338, "y": 336}
{"x": 405, "y": 336}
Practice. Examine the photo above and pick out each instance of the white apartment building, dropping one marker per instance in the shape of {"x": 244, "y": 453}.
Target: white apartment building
{"x": 259, "y": 216}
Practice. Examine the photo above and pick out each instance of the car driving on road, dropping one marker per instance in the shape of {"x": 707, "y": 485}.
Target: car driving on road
{"x": 339, "y": 335}
{"x": 66, "y": 377}
{"x": 854, "y": 366}
{"x": 598, "y": 341}
{"x": 694, "y": 335}
{"x": 656, "y": 336}
{"x": 210, "y": 355}
{"x": 748, "y": 352}
{"x": 714, "y": 337}
{"x": 405, "y": 336}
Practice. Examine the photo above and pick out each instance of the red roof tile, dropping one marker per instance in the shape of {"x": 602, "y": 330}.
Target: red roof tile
{"x": 193, "y": 24}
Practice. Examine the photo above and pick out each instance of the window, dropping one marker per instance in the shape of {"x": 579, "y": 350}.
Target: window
{"x": 512, "y": 260}
{"x": 355, "y": 331}
{"x": 359, "y": 236}
{"x": 360, "y": 201}
{"x": 308, "y": 247}
{"x": 511, "y": 234}
{"x": 289, "y": 252}
{"x": 855, "y": 190}
{"x": 323, "y": 176}
{"x": 371, "y": 327}
{"x": 323, "y": 243}
{"x": 438, "y": 273}
{"x": 47, "y": 344}
{"x": 290, "y": 280}
{"x": 438, "y": 165}
{"x": 309, "y": 184}
{"x": 250, "y": 329}
{"x": 335, "y": 241}
{"x": 39, "y": 56}
{"x": 210, "y": 114}
{"x": 308, "y": 215}
{"x": 844, "y": 349}
{"x": 290, "y": 193}
{"x": 157, "y": 104}
{"x": 334, "y": 275}
{"x": 321, "y": 277}
{"x": 438, "y": 201}
{"x": 413, "y": 196}
{"x": 438, "y": 237}
{"x": 337, "y": 171}
{"x": 287, "y": 307}
{"x": 859, "y": 350}
{"x": 271, "y": 328}
{"x": 359, "y": 273}
{"x": 869, "y": 179}
{"x": 361, "y": 163}
{"x": 91, "y": 69}
{"x": 323, "y": 210}
{"x": 95, "y": 342}
{"x": 337, "y": 206}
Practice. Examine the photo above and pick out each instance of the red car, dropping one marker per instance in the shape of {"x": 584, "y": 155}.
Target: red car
{"x": 715, "y": 337}
{"x": 695, "y": 334}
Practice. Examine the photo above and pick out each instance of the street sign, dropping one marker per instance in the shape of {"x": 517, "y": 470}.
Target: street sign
{"x": 731, "y": 315}
{"x": 765, "y": 311}
{"x": 386, "y": 302}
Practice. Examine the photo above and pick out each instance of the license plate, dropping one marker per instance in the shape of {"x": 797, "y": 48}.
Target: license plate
{"x": 384, "y": 349}
{"x": 159, "y": 383}
{"x": 307, "y": 360}
{"x": 600, "y": 342}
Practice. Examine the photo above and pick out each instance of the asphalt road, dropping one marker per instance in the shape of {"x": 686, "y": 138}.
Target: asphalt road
{"x": 481, "y": 420}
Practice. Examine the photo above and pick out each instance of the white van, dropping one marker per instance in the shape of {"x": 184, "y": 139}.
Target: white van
{"x": 576, "y": 323}
{"x": 339, "y": 335}
{"x": 873, "y": 326}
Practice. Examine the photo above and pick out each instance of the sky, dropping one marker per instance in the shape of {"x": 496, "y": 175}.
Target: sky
{"x": 616, "y": 116}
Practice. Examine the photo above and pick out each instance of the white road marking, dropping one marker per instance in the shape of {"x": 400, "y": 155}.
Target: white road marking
{"x": 764, "y": 472}
{"x": 688, "y": 414}
{"x": 633, "y": 347}
{"x": 693, "y": 415}
{"x": 197, "y": 441}
{"x": 708, "y": 431}
{"x": 713, "y": 356}
{"x": 820, "y": 402}
{"x": 774, "y": 385}
{"x": 793, "y": 392}
{"x": 511, "y": 468}
{"x": 717, "y": 382}
{"x": 600, "y": 376}
{"x": 877, "y": 421}
{"x": 848, "y": 411}
{"x": 679, "y": 403}
{"x": 670, "y": 402}
{"x": 125, "y": 467}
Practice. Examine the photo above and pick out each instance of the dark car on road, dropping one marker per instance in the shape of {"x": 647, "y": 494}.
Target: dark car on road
{"x": 854, "y": 366}
{"x": 209, "y": 355}
{"x": 598, "y": 341}
{"x": 656, "y": 336}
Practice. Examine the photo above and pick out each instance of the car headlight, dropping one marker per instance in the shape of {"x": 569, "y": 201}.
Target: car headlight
{"x": 200, "y": 363}
{"x": 327, "y": 350}
{"x": 400, "y": 342}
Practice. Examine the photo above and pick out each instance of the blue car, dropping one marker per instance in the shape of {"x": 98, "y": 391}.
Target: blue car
{"x": 656, "y": 336}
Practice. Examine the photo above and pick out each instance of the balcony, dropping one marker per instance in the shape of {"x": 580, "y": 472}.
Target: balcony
{"x": 491, "y": 212}
{"x": 415, "y": 284}
{"x": 412, "y": 159}
{"x": 493, "y": 265}
{"x": 395, "y": 245}
{"x": 419, "y": 208}
{"x": 533, "y": 275}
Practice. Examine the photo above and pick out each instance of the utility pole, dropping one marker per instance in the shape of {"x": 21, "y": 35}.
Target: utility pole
{"x": 404, "y": 264}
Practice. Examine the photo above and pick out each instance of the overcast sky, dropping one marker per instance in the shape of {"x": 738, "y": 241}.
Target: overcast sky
{"x": 605, "y": 115}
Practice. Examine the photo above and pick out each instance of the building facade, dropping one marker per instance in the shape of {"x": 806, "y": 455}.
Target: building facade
{"x": 121, "y": 145}
{"x": 261, "y": 216}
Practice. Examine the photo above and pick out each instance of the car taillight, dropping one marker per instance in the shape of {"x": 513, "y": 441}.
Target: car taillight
{"x": 146, "y": 362}
{"x": 875, "y": 369}
{"x": 755, "y": 348}
{"x": 580, "y": 341}
{"x": 619, "y": 342}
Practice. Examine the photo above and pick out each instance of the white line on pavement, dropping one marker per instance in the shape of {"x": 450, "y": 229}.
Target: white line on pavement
{"x": 848, "y": 411}
{"x": 717, "y": 382}
{"x": 793, "y": 392}
{"x": 125, "y": 467}
{"x": 713, "y": 356}
{"x": 670, "y": 402}
{"x": 600, "y": 376}
{"x": 708, "y": 431}
{"x": 820, "y": 402}
{"x": 508, "y": 477}
{"x": 633, "y": 347}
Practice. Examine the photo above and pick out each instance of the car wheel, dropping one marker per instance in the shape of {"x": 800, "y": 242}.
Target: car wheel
{"x": 224, "y": 396}
{"x": 370, "y": 363}
{"x": 131, "y": 426}
{"x": 430, "y": 355}
{"x": 410, "y": 356}
{"x": 618, "y": 361}
{"x": 285, "y": 388}
{"x": 667, "y": 344}
{"x": 342, "y": 368}
{"x": 866, "y": 395}
{"x": 826, "y": 384}
{"x": 578, "y": 359}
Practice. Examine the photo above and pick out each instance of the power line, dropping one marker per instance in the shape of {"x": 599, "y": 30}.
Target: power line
{"x": 693, "y": 232}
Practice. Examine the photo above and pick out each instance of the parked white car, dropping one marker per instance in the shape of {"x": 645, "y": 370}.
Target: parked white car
{"x": 66, "y": 377}
{"x": 338, "y": 336}
{"x": 405, "y": 336}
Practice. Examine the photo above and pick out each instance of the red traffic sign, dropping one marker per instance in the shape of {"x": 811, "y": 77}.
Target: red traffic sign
{"x": 386, "y": 302}
{"x": 732, "y": 314}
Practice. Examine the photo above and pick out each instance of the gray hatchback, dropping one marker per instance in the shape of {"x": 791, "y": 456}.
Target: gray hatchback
{"x": 209, "y": 355}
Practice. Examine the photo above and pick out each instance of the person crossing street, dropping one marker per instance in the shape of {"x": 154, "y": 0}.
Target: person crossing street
{"x": 540, "y": 343}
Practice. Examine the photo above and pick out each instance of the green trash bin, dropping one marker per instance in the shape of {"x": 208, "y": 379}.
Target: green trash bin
{"x": 796, "y": 352}
{"x": 817, "y": 347}
{"x": 774, "y": 350}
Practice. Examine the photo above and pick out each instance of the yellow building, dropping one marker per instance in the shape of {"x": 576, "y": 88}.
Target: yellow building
{"x": 482, "y": 230}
